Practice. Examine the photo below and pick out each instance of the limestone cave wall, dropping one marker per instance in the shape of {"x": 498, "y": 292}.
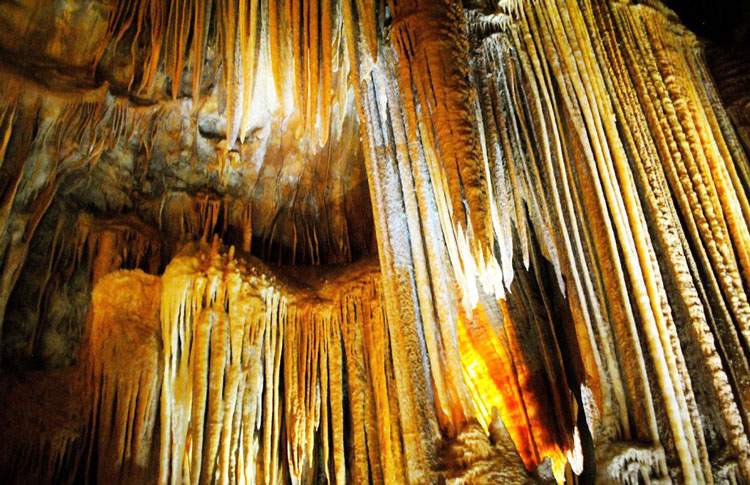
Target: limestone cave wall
{"x": 372, "y": 241}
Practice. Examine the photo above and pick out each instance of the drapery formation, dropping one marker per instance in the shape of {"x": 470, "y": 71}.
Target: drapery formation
{"x": 594, "y": 131}
{"x": 251, "y": 375}
{"x": 221, "y": 371}
{"x": 559, "y": 201}
{"x": 631, "y": 134}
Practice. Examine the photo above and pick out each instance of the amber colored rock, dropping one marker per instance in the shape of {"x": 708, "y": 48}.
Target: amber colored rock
{"x": 371, "y": 241}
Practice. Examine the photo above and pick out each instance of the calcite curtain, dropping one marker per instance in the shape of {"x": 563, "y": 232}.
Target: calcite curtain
{"x": 548, "y": 282}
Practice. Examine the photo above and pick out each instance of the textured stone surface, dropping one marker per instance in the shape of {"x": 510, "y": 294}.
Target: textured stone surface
{"x": 193, "y": 194}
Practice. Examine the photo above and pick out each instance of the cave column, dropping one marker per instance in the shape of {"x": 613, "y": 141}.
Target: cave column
{"x": 431, "y": 213}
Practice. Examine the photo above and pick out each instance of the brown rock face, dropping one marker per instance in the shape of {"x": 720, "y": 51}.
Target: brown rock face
{"x": 371, "y": 241}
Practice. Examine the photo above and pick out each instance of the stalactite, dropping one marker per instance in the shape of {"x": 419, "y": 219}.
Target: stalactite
{"x": 302, "y": 39}
{"x": 560, "y": 209}
{"x": 104, "y": 246}
{"x": 469, "y": 256}
{"x": 580, "y": 163}
{"x": 422, "y": 254}
{"x": 665, "y": 116}
{"x": 252, "y": 357}
{"x": 122, "y": 353}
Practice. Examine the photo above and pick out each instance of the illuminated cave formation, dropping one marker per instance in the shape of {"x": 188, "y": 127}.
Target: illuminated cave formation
{"x": 372, "y": 241}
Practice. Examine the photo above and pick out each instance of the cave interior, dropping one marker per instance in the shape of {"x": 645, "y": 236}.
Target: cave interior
{"x": 375, "y": 241}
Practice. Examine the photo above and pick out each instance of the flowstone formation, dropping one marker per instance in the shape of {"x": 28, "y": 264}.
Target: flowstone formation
{"x": 371, "y": 241}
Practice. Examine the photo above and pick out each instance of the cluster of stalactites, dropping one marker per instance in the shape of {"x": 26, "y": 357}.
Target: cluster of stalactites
{"x": 600, "y": 121}
{"x": 287, "y": 53}
{"x": 588, "y": 129}
{"x": 437, "y": 212}
{"x": 107, "y": 246}
{"x": 592, "y": 130}
{"x": 250, "y": 380}
{"x": 121, "y": 364}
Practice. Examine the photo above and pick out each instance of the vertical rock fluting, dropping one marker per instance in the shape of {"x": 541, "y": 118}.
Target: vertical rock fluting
{"x": 418, "y": 106}
{"x": 602, "y": 139}
{"x": 560, "y": 204}
{"x": 607, "y": 111}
